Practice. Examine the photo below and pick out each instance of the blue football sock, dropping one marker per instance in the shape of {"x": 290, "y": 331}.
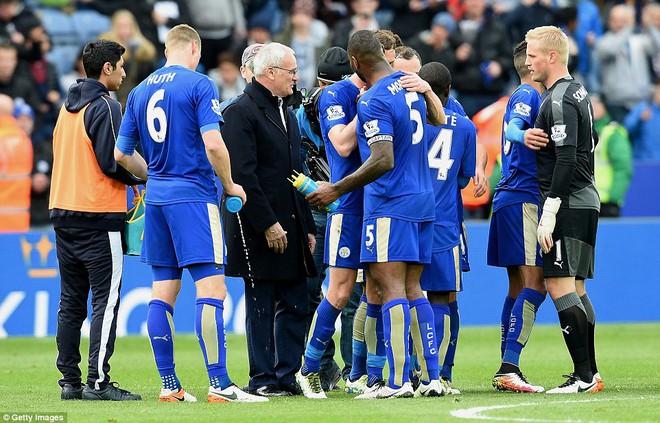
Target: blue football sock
{"x": 422, "y": 330}
{"x": 523, "y": 315}
{"x": 454, "y": 326}
{"x": 160, "y": 328}
{"x": 374, "y": 338}
{"x": 320, "y": 333}
{"x": 505, "y": 321}
{"x": 396, "y": 326}
{"x": 359, "y": 362}
{"x": 442, "y": 326}
{"x": 210, "y": 330}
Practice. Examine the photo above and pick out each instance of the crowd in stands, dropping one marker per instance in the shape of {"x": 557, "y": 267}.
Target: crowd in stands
{"x": 615, "y": 51}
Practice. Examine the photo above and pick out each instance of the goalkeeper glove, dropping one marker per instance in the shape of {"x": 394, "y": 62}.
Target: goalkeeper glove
{"x": 547, "y": 223}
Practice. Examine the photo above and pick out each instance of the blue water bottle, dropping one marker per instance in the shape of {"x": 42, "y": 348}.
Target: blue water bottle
{"x": 233, "y": 204}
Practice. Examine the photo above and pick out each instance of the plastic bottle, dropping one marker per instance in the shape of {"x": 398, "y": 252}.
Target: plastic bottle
{"x": 306, "y": 186}
{"x": 233, "y": 204}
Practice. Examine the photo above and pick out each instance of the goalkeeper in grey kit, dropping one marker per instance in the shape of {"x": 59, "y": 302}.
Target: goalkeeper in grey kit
{"x": 565, "y": 172}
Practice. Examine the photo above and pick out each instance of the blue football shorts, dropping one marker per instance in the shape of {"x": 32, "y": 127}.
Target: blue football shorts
{"x": 342, "y": 241}
{"x": 465, "y": 257}
{"x": 444, "y": 273}
{"x": 178, "y": 235}
{"x": 386, "y": 239}
{"x": 512, "y": 236}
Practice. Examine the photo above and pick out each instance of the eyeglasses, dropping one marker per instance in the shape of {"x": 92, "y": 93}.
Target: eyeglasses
{"x": 291, "y": 72}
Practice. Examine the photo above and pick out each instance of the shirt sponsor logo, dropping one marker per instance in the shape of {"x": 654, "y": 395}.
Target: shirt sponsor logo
{"x": 335, "y": 112}
{"x": 371, "y": 128}
{"x": 558, "y": 133}
{"x": 522, "y": 109}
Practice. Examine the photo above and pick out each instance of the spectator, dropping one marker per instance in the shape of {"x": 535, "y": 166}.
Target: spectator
{"x": 15, "y": 165}
{"x": 44, "y": 76}
{"x": 15, "y": 80}
{"x": 219, "y": 23}
{"x": 259, "y": 31}
{"x": 363, "y": 17}
{"x": 589, "y": 28}
{"x": 227, "y": 76}
{"x": 624, "y": 53}
{"x": 643, "y": 126}
{"x": 140, "y": 52}
{"x": 438, "y": 43}
{"x": 22, "y": 27}
{"x": 141, "y": 10}
{"x": 271, "y": 240}
{"x": 526, "y": 15}
{"x": 483, "y": 60}
{"x": 413, "y": 16}
{"x": 167, "y": 14}
{"x": 613, "y": 160}
{"x": 307, "y": 36}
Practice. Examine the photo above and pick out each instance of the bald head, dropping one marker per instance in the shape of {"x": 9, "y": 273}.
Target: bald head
{"x": 6, "y": 105}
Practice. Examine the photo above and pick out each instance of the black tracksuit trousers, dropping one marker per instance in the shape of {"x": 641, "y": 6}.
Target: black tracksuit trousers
{"x": 89, "y": 260}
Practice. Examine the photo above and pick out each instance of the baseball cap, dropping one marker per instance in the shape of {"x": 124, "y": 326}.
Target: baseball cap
{"x": 444, "y": 19}
{"x": 334, "y": 65}
{"x": 249, "y": 53}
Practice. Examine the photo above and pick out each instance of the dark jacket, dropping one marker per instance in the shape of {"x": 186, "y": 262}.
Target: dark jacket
{"x": 101, "y": 124}
{"x": 263, "y": 155}
{"x": 491, "y": 43}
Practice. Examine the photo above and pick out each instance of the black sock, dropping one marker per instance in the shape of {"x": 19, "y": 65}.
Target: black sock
{"x": 574, "y": 327}
{"x": 508, "y": 368}
{"x": 591, "y": 319}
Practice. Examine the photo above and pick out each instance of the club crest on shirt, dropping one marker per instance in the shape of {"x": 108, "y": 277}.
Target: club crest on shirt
{"x": 215, "y": 106}
{"x": 335, "y": 112}
{"x": 558, "y": 133}
{"x": 522, "y": 109}
{"x": 344, "y": 252}
{"x": 371, "y": 128}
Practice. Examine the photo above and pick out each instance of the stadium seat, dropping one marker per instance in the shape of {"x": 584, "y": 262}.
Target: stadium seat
{"x": 63, "y": 57}
{"x": 89, "y": 24}
{"x": 60, "y": 26}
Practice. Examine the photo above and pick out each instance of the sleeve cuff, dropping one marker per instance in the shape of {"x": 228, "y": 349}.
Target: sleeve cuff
{"x": 209, "y": 127}
{"x": 126, "y": 145}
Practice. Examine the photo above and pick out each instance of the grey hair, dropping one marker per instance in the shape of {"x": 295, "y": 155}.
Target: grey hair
{"x": 270, "y": 55}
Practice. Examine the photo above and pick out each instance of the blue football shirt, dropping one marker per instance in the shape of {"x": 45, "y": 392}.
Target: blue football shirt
{"x": 518, "y": 183}
{"x": 451, "y": 154}
{"x": 338, "y": 106}
{"x": 389, "y": 113}
{"x": 167, "y": 114}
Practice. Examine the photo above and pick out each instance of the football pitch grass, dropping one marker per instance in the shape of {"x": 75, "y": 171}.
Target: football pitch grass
{"x": 628, "y": 358}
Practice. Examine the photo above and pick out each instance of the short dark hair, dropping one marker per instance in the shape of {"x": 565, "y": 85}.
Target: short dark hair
{"x": 438, "y": 77}
{"x": 99, "y": 52}
{"x": 407, "y": 53}
{"x": 519, "y": 58}
{"x": 364, "y": 45}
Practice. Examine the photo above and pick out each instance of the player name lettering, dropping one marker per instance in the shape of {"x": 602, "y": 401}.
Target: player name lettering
{"x": 395, "y": 87}
{"x": 580, "y": 94}
{"x": 158, "y": 79}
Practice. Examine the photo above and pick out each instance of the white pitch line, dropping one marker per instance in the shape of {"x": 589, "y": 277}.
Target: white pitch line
{"x": 476, "y": 412}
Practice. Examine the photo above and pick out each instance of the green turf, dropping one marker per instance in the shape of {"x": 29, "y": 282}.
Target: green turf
{"x": 628, "y": 361}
